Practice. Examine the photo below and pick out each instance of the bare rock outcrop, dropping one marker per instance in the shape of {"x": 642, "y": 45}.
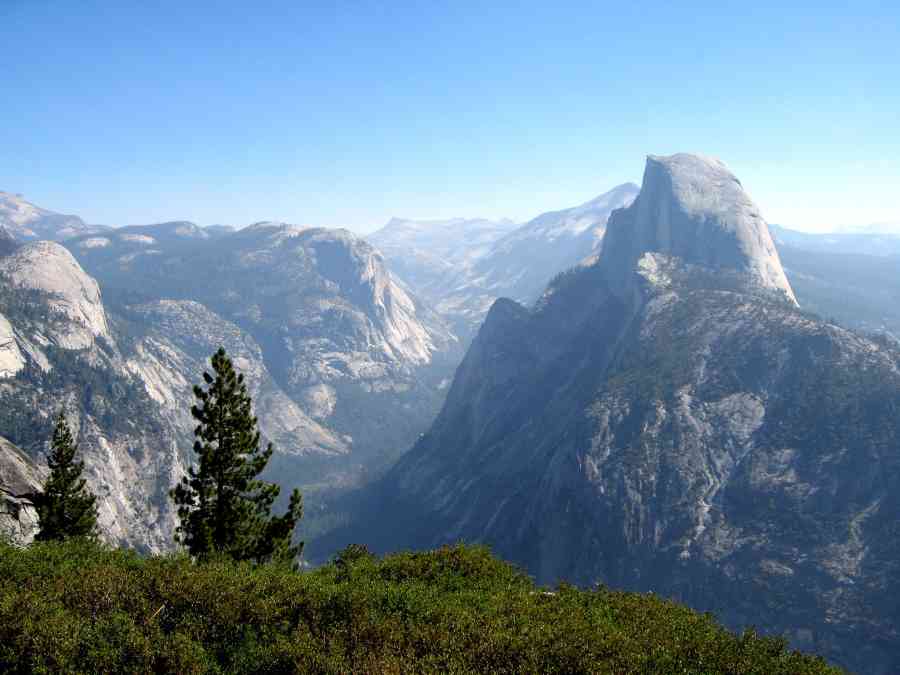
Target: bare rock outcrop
{"x": 20, "y": 481}
{"x": 693, "y": 208}
{"x": 50, "y": 269}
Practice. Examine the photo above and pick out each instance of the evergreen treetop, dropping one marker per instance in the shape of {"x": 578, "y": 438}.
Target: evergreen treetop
{"x": 222, "y": 505}
{"x": 65, "y": 508}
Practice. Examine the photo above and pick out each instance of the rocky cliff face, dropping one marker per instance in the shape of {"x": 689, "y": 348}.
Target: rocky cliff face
{"x": 176, "y": 338}
{"x": 692, "y": 208}
{"x": 668, "y": 420}
{"x": 8, "y": 242}
{"x": 59, "y": 351}
{"x": 20, "y": 480}
{"x": 354, "y": 364}
{"x": 344, "y": 365}
{"x": 50, "y": 270}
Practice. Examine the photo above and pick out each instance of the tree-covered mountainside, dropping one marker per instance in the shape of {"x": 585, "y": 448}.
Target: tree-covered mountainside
{"x": 669, "y": 420}
{"x": 75, "y": 607}
{"x": 859, "y": 290}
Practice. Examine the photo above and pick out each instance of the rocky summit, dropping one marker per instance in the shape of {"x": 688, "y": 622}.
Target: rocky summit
{"x": 669, "y": 420}
{"x": 694, "y": 209}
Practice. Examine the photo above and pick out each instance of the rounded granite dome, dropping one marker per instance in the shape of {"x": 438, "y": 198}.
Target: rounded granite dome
{"x": 693, "y": 208}
{"x": 49, "y": 267}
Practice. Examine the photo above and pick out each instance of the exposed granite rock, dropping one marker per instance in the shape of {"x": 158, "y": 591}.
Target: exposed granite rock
{"x": 11, "y": 359}
{"x": 26, "y": 222}
{"x": 343, "y": 364}
{"x": 169, "y": 358}
{"x": 20, "y": 481}
{"x": 65, "y": 356}
{"x": 49, "y": 268}
{"x": 8, "y": 242}
{"x": 355, "y": 360}
{"x": 693, "y": 208}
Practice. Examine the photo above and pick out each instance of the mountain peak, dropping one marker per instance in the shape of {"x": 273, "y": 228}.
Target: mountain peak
{"x": 48, "y": 267}
{"x": 693, "y": 208}
{"x": 626, "y": 192}
{"x": 27, "y": 222}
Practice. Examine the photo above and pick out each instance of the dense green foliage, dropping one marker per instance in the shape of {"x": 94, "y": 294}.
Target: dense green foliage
{"x": 222, "y": 505}
{"x": 76, "y": 607}
{"x": 65, "y": 508}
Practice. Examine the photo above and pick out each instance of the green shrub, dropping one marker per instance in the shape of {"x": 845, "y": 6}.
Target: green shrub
{"x": 78, "y": 607}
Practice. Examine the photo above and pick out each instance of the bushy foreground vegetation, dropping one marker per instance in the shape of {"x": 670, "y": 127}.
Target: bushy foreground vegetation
{"x": 78, "y": 607}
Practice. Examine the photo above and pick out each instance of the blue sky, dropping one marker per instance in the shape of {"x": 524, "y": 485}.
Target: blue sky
{"x": 348, "y": 113}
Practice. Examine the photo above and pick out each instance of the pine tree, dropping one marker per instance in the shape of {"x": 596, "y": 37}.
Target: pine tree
{"x": 223, "y": 507}
{"x": 65, "y": 508}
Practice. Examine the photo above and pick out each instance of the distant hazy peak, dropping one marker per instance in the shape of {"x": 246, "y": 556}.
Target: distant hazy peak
{"x": 889, "y": 229}
{"x": 693, "y": 208}
{"x": 16, "y": 209}
{"x": 574, "y": 221}
{"x": 612, "y": 197}
{"x": 437, "y": 224}
{"x": 184, "y": 229}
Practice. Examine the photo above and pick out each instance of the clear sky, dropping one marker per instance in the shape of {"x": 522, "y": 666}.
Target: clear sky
{"x": 340, "y": 113}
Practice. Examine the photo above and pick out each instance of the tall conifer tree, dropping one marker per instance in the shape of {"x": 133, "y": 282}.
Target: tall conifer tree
{"x": 65, "y": 508}
{"x": 223, "y": 507}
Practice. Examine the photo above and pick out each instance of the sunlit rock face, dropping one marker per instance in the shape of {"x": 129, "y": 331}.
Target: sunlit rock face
{"x": 24, "y": 221}
{"x": 694, "y": 209}
{"x": 350, "y": 365}
{"x": 50, "y": 269}
{"x": 337, "y": 356}
{"x": 59, "y": 352}
{"x": 20, "y": 481}
{"x": 668, "y": 420}
{"x": 12, "y": 360}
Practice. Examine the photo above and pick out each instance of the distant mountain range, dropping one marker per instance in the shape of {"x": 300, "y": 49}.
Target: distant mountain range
{"x": 873, "y": 228}
{"x": 25, "y": 221}
{"x": 463, "y": 266}
{"x": 882, "y": 244}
